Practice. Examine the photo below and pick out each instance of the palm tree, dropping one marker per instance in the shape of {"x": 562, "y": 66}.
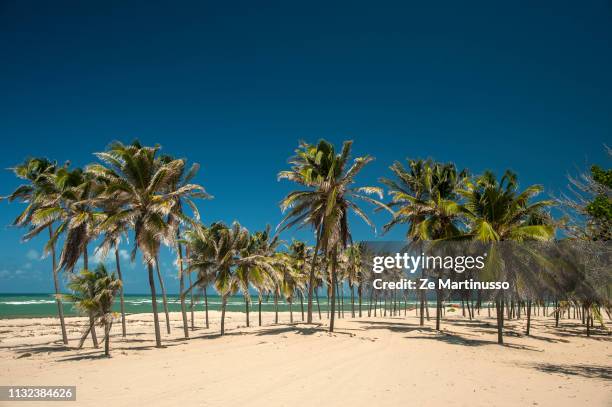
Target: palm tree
{"x": 38, "y": 187}
{"x": 94, "y": 293}
{"x": 143, "y": 184}
{"x": 113, "y": 233}
{"x": 221, "y": 250}
{"x": 247, "y": 274}
{"x": 72, "y": 207}
{"x": 426, "y": 198}
{"x": 497, "y": 211}
{"x": 325, "y": 201}
{"x": 182, "y": 179}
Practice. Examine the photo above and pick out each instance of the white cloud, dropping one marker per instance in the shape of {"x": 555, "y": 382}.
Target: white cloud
{"x": 32, "y": 255}
{"x": 124, "y": 254}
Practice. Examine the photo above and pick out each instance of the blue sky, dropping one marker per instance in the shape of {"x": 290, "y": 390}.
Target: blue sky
{"x": 234, "y": 86}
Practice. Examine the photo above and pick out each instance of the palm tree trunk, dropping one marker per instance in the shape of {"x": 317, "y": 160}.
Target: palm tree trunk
{"x": 359, "y": 293}
{"x": 107, "y": 329}
{"x": 246, "y": 305}
{"x": 259, "y": 311}
{"x": 191, "y": 296}
{"x": 182, "y": 288}
{"x": 438, "y": 307}
{"x": 206, "y": 304}
{"x": 311, "y": 281}
{"x": 223, "y": 303}
{"x": 164, "y": 298}
{"x": 318, "y": 305}
{"x": 94, "y": 337}
{"x": 528, "y": 317}
{"x": 290, "y": 300}
{"x": 333, "y": 290}
{"x": 276, "y": 305}
{"x": 121, "y": 301}
{"x": 370, "y": 302}
{"x": 499, "y": 306}
{"x": 85, "y": 334}
{"x": 154, "y": 306}
{"x": 58, "y": 300}
{"x": 352, "y": 301}
{"x": 422, "y": 320}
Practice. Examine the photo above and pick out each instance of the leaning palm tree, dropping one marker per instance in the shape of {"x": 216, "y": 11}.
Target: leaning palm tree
{"x": 135, "y": 177}
{"x": 94, "y": 293}
{"x": 325, "y": 201}
{"x": 37, "y": 174}
{"x": 73, "y": 208}
{"x": 497, "y": 211}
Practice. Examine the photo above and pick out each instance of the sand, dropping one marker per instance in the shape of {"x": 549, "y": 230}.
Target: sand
{"x": 367, "y": 362}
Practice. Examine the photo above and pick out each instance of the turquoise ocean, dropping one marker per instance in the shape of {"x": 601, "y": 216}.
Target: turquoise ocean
{"x": 43, "y": 305}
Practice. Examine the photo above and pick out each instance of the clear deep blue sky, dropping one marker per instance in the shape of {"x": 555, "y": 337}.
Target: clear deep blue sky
{"x": 235, "y": 85}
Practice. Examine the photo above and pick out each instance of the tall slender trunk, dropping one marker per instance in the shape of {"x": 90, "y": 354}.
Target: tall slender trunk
{"x": 359, "y": 293}
{"x": 422, "y": 312}
{"x": 206, "y": 304}
{"x": 223, "y": 304}
{"x": 438, "y": 307}
{"x": 499, "y": 305}
{"x": 182, "y": 288}
{"x": 58, "y": 300}
{"x": 290, "y": 300}
{"x": 352, "y": 301}
{"x": 107, "y": 329}
{"x": 311, "y": 280}
{"x": 370, "y": 302}
{"x": 154, "y": 306}
{"x": 246, "y": 306}
{"x": 333, "y": 290}
{"x": 164, "y": 298}
{"x": 94, "y": 337}
{"x": 318, "y": 304}
{"x": 121, "y": 300}
{"x": 528, "y": 317}
{"x": 191, "y": 296}
{"x": 276, "y": 305}
{"x": 259, "y": 309}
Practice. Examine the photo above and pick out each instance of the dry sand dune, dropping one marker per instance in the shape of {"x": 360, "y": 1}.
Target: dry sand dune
{"x": 367, "y": 362}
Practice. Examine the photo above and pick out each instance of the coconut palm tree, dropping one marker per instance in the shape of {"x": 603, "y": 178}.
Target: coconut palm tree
{"x": 325, "y": 201}
{"x": 183, "y": 178}
{"x": 496, "y": 211}
{"x": 37, "y": 174}
{"x": 145, "y": 187}
{"x": 249, "y": 273}
{"x": 221, "y": 250}
{"x": 425, "y": 196}
{"x": 113, "y": 233}
{"x": 94, "y": 293}
{"x": 72, "y": 207}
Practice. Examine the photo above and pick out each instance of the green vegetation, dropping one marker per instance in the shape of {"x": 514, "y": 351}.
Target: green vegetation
{"x": 135, "y": 191}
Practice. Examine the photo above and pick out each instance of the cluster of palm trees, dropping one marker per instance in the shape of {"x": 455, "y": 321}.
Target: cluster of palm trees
{"x": 134, "y": 191}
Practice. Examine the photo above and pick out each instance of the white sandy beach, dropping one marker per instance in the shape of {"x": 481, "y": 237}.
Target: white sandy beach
{"x": 367, "y": 362}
